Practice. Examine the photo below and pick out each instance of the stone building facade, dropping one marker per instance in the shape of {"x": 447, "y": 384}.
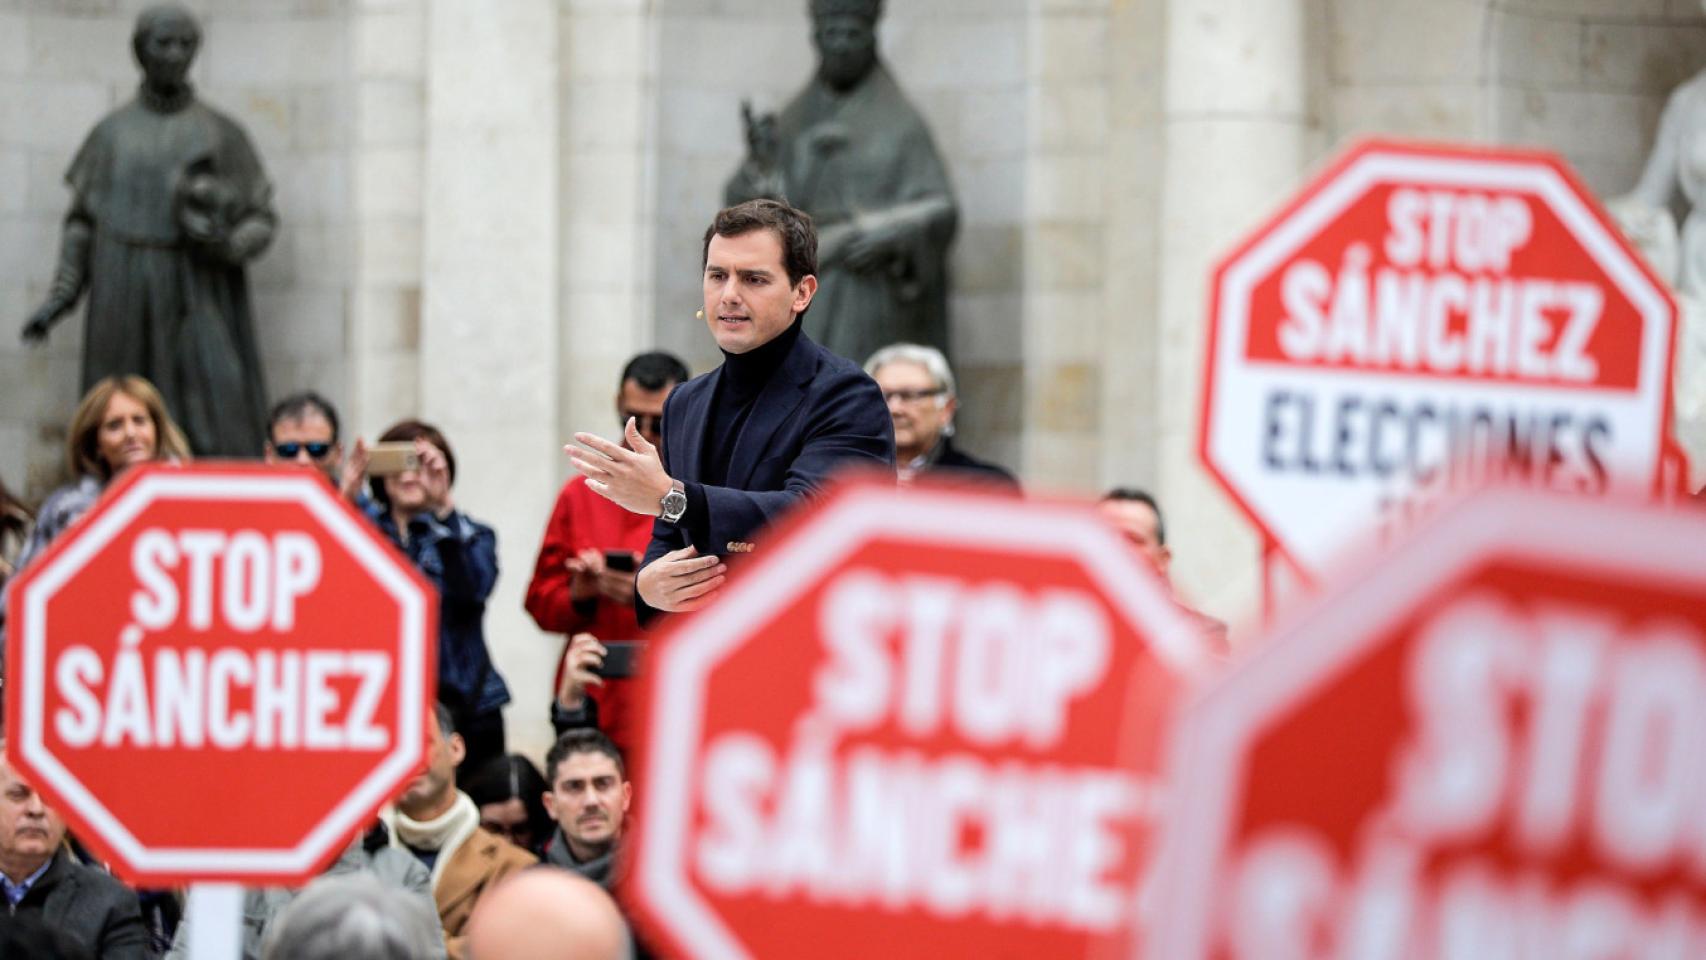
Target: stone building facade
{"x": 487, "y": 206}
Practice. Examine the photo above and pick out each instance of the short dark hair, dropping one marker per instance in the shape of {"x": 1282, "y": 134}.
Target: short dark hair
{"x": 792, "y": 227}
{"x": 580, "y": 740}
{"x": 411, "y": 430}
{"x": 654, "y": 370}
{"x": 1134, "y": 495}
{"x": 512, "y": 777}
{"x": 301, "y": 405}
{"x": 446, "y": 720}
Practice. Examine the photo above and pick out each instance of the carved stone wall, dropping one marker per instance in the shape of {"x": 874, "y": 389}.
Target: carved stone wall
{"x": 282, "y": 69}
{"x": 966, "y": 65}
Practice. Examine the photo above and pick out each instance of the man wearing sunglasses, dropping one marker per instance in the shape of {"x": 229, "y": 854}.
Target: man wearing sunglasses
{"x": 303, "y": 429}
{"x": 583, "y": 581}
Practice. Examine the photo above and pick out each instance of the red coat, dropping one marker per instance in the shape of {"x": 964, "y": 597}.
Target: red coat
{"x": 583, "y": 519}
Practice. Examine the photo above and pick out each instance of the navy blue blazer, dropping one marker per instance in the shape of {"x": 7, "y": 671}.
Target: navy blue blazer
{"x": 818, "y": 414}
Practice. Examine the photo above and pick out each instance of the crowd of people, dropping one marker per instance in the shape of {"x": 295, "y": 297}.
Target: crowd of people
{"x": 640, "y": 533}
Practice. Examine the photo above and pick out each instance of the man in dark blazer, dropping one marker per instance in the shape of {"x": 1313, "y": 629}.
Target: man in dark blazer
{"x": 40, "y": 879}
{"x": 743, "y": 442}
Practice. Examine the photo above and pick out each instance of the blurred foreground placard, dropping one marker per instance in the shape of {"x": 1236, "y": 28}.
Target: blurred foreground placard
{"x": 1492, "y": 744}
{"x": 921, "y": 722}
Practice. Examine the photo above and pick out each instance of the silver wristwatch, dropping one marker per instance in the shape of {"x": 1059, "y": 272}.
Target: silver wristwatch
{"x": 675, "y": 502}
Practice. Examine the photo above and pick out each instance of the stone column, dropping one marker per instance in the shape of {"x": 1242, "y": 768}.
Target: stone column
{"x": 1066, "y": 229}
{"x": 488, "y": 338}
{"x": 608, "y": 141}
{"x": 1235, "y": 124}
{"x": 388, "y": 74}
{"x": 1129, "y": 339}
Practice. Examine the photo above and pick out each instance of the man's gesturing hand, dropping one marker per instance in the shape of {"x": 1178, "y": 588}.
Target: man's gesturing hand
{"x": 630, "y": 476}
{"x": 681, "y": 580}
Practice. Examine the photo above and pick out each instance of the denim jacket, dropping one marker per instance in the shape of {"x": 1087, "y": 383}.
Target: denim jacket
{"x": 459, "y": 556}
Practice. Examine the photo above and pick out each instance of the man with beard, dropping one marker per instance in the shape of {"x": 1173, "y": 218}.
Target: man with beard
{"x": 587, "y": 795}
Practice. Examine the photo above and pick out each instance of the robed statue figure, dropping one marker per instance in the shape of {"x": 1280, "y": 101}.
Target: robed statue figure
{"x": 852, "y": 151}
{"x": 169, "y": 202}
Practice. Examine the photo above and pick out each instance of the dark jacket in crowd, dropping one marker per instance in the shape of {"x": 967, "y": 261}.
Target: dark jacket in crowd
{"x": 952, "y": 465}
{"x": 89, "y": 907}
{"x": 459, "y": 556}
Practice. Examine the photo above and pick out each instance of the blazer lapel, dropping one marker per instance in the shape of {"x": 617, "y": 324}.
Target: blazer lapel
{"x": 684, "y": 443}
{"x": 779, "y": 400}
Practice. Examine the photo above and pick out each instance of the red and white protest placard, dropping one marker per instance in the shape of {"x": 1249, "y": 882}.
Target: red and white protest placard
{"x": 1491, "y": 745}
{"x": 1420, "y": 320}
{"x": 918, "y": 720}
{"x": 221, "y": 673}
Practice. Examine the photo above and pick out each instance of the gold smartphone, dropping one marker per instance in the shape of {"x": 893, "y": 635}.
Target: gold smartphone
{"x": 390, "y": 459}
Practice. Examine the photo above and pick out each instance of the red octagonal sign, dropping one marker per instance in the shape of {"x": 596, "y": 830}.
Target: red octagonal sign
{"x": 920, "y": 721}
{"x": 1420, "y": 320}
{"x": 1491, "y": 745}
{"x": 219, "y": 674}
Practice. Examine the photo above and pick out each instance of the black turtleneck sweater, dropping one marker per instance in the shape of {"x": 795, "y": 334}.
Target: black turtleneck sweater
{"x": 744, "y": 377}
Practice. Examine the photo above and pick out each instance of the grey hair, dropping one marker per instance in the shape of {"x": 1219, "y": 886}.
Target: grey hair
{"x": 930, "y": 358}
{"x": 352, "y": 916}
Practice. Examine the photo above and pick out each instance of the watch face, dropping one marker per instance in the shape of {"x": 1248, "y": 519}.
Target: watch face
{"x": 674, "y": 505}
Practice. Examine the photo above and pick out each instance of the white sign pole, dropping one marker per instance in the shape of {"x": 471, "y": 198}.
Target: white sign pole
{"x": 215, "y": 915}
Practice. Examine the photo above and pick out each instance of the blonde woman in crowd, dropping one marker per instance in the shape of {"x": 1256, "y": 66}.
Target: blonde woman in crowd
{"x": 120, "y": 423}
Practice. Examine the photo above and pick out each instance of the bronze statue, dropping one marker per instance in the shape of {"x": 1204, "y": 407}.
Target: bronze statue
{"x": 169, "y": 201}
{"x": 852, "y": 151}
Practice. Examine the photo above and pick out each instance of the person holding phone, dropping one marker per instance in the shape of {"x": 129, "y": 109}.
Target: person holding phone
{"x": 412, "y": 506}
{"x": 583, "y": 580}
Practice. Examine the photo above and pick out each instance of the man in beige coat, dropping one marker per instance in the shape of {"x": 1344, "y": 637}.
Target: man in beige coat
{"x": 440, "y": 825}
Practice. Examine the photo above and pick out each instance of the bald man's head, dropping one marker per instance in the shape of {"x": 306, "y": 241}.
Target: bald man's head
{"x": 547, "y": 914}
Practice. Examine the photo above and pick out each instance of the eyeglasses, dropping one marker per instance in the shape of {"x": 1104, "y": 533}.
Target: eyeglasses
{"x": 645, "y": 422}
{"x": 911, "y": 396}
{"x": 288, "y": 451}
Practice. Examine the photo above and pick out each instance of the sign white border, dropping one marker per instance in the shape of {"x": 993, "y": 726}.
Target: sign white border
{"x": 338, "y": 824}
{"x": 929, "y": 518}
{"x": 1216, "y": 730}
{"x": 1382, "y": 163}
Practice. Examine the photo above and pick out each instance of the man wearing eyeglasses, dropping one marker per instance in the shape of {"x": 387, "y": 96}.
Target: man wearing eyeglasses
{"x": 303, "y": 429}
{"x": 583, "y": 581}
{"x": 918, "y": 387}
